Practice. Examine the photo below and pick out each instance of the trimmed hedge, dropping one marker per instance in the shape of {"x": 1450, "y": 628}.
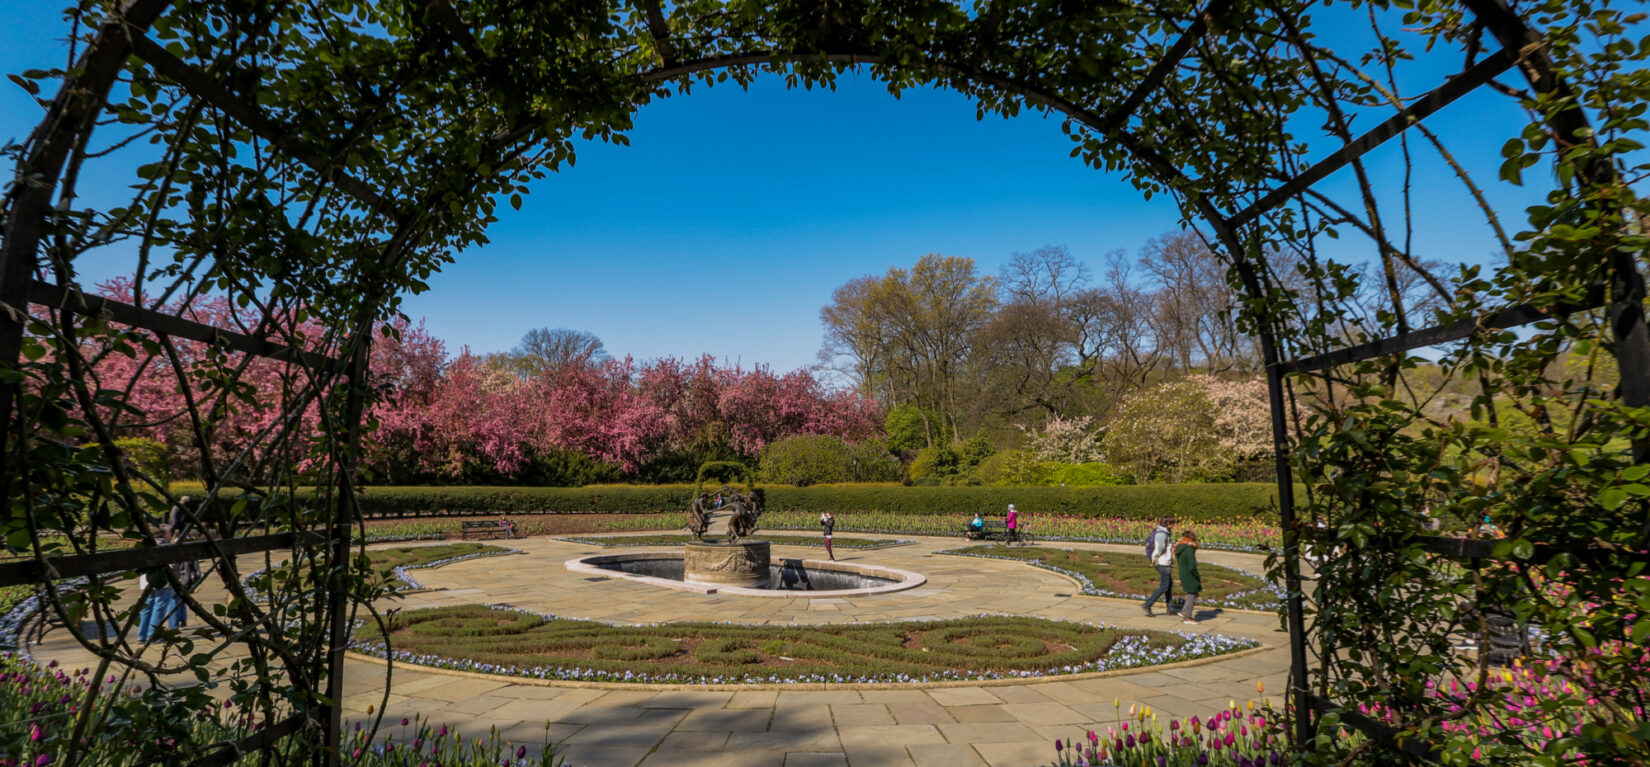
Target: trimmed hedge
{"x": 1200, "y": 503}
{"x": 1191, "y": 503}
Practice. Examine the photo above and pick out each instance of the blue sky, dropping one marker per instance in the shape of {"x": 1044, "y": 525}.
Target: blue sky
{"x": 734, "y": 214}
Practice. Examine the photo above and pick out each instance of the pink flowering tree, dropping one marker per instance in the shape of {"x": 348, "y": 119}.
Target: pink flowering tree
{"x": 187, "y": 394}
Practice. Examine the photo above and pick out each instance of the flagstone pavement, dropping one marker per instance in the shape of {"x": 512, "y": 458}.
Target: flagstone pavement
{"x": 614, "y": 725}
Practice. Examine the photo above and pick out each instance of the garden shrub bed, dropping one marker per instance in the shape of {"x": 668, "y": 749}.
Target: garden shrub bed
{"x": 511, "y": 642}
{"x": 619, "y": 541}
{"x": 1130, "y": 576}
{"x": 1241, "y": 535}
{"x": 1192, "y": 503}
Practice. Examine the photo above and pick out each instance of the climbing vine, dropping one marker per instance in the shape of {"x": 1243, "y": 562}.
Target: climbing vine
{"x": 315, "y": 161}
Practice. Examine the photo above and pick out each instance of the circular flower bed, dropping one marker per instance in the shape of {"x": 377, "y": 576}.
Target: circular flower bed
{"x": 500, "y": 640}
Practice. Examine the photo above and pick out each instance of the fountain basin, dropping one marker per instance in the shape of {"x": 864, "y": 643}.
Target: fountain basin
{"x": 746, "y": 564}
{"x": 789, "y": 577}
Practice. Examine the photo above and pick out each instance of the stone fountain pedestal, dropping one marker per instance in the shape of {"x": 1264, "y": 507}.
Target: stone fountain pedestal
{"x": 732, "y": 564}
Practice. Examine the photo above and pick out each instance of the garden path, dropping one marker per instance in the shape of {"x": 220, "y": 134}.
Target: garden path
{"x": 998, "y": 724}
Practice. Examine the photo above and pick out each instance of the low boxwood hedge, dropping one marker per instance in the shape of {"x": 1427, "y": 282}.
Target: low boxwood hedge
{"x": 1191, "y": 503}
{"x": 1200, "y": 503}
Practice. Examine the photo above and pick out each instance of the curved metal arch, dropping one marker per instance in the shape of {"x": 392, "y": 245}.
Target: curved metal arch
{"x": 81, "y": 98}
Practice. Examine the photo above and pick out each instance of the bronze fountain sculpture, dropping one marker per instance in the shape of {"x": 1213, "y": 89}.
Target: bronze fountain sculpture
{"x": 731, "y": 559}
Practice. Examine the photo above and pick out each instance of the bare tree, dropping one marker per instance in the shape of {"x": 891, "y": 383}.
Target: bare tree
{"x": 1046, "y": 275}
{"x": 543, "y": 350}
{"x": 1194, "y": 308}
{"x": 1113, "y": 338}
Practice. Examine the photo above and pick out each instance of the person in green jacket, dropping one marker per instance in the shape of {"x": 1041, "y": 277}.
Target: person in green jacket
{"x": 1185, "y": 557}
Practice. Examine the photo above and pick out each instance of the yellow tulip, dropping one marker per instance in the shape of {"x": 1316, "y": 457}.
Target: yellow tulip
{"x": 1232, "y": 705}
{"x": 1251, "y": 705}
{"x": 1260, "y": 687}
{"x": 1115, "y": 703}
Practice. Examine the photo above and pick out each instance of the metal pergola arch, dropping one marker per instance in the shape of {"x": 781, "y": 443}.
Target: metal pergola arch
{"x": 124, "y": 41}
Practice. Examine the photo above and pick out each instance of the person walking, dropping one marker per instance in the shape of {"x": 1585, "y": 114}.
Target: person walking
{"x": 1191, "y": 584}
{"x": 1160, "y": 553}
{"x": 160, "y": 603}
{"x": 1012, "y": 524}
{"x": 828, "y": 522}
{"x": 177, "y": 521}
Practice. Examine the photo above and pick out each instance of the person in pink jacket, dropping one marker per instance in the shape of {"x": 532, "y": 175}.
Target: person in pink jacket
{"x": 1012, "y": 522}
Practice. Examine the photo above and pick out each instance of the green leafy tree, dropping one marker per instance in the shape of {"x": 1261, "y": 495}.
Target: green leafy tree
{"x": 909, "y": 429}
{"x": 938, "y": 462}
{"x": 873, "y": 462}
{"x": 807, "y": 460}
{"x": 151, "y": 457}
{"x": 976, "y": 449}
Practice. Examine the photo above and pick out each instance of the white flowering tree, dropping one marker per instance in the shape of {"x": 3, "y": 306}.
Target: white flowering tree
{"x": 1199, "y": 428}
{"x": 1067, "y": 440}
{"x": 1242, "y": 416}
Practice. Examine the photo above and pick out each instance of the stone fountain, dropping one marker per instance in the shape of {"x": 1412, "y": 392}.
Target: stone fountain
{"x": 719, "y": 552}
{"x": 722, "y": 560}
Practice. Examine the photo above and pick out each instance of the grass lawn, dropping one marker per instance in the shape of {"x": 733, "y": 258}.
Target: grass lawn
{"x": 778, "y": 540}
{"x": 398, "y": 561}
{"x": 501, "y": 641}
{"x": 417, "y": 556}
{"x": 1129, "y": 575}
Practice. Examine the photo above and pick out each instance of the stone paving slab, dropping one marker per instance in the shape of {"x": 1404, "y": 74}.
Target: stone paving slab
{"x": 952, "y": 725}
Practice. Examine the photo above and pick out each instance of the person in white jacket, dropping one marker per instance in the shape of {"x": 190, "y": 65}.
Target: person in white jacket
{"x": 1162, "y": 557}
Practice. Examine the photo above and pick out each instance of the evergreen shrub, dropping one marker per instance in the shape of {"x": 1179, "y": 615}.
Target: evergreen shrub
{"x": 1191, "y": 503}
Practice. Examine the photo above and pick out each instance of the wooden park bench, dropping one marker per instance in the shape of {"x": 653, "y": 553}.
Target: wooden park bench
{"x": 1509, "y": 638}
{"x": 994, "y": 530}
{"x": 481, "y": 527}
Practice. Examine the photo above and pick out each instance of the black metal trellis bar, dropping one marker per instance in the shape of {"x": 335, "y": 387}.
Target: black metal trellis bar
{"x": 1374, "y": 728}
{"x": 1434, "y": 100}
{"x": 339, "y": 604}
{"x": 1510, "y": 317}
{"x": 1160, "y": 71}
{"x": 208, "y": 90}
{"x": 26, "y": 571}
{"x": 73, "y": 300}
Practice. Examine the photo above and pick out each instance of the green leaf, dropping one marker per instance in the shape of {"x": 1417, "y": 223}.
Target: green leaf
{"x": 26, "y": 84}
{"x": 1612, "y": 498}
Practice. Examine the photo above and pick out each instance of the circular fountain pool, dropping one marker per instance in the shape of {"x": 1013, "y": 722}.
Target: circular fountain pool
{"x": 789, "y": 577}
